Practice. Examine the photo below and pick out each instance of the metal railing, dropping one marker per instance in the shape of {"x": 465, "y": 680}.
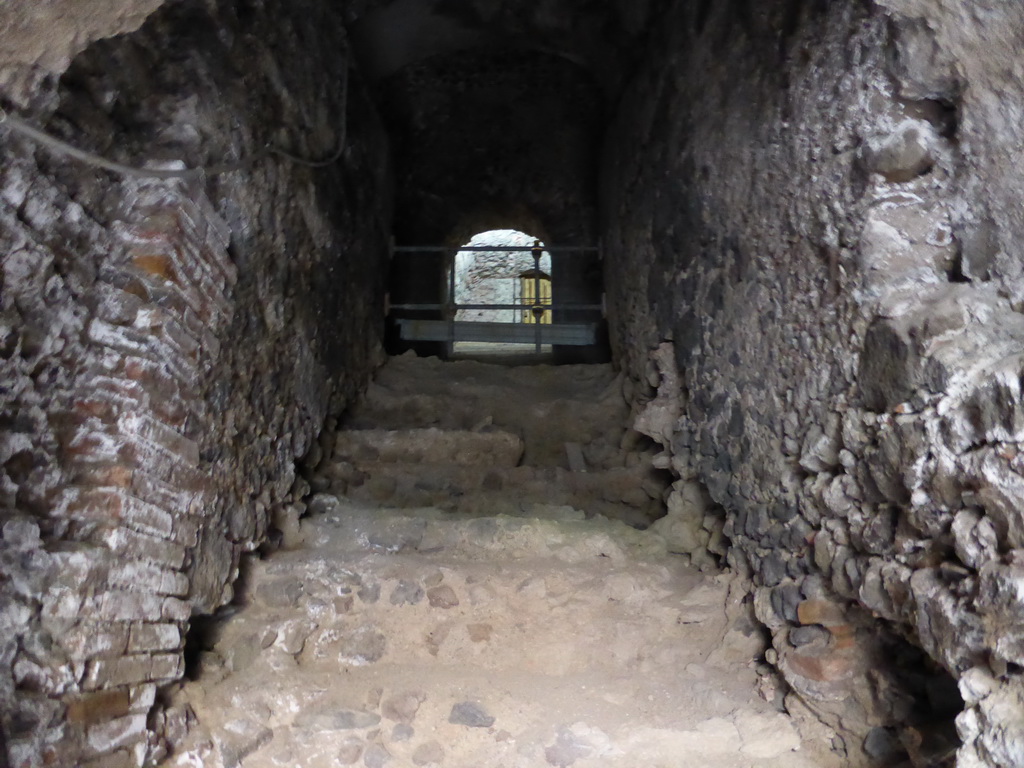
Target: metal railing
{"x": 451, "y": 330}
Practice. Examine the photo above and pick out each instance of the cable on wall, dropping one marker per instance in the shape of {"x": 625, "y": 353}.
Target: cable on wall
{"x": 25, "y": 129}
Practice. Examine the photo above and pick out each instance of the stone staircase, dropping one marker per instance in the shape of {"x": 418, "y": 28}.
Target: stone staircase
{"x": 540, "y": 435}
{"x": 456, "y": 601}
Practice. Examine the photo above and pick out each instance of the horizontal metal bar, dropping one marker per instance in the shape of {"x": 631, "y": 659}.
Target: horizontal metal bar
{"x": 494, "y": 248}
{"x": 493, "y": 306}
{"x": 569, "y": 334}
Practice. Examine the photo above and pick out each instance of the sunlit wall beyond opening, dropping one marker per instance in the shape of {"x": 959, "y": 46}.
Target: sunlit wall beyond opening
{"x": 504, "y": 278}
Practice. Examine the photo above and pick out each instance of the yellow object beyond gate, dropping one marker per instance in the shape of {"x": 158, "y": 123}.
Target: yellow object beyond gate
{"x": 535, "y": 293}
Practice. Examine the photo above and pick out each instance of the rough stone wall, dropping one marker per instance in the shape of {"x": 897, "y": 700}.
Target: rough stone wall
{"x": 169, "y": 349}
{"x": 41, "y": 38}
{"x": 812, "y": 210}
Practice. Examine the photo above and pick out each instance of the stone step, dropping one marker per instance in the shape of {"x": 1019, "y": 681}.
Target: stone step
{"x": 347, "y": 529}
{"x": 492, "y": 448}
{"x": 410, "y": 375}
{"x": 404, "y": 716}
{"x": 383, "y": 408}
{"x": 633, "y": 495}
{"x": 547, "y": 406}
{"x": 399, "y": 640}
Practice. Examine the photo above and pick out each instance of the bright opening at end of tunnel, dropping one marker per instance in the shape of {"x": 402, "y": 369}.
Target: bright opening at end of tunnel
{"x": 517, "y": 282}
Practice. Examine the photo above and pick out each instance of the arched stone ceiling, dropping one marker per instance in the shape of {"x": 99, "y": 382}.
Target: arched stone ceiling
{"x": 597, "y": 35}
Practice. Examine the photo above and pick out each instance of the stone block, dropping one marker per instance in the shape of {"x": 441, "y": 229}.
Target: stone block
{"x": 471, "y": 715}
{"x": 402, "y": 707}
{"x": 120, "y": 338}
{"x": 143, "y": 697}
{"x": 112, "y": 673}
{"x": 49, "y": 679}
{"x": 442, "y": 597}
{"x": 114, "y": 505}
{"x": 116, "y": 734}
{"x": 99, "y": 707}
{"x": 126, "y": 543}
{"x": 975, "y": 539}
{"x": 154, "y": 637}
{"x": 946, "y": 627}
{"x": 240, "y": 739}
{"x": 1003, "y": 503}
{"x": 923, "y": 66}
{"x": 175, "y": 610}
{"x": 89, "y": 639}
{"x": 176, "y": 445}
{"x": 149, "y": 577}
{"x": 115, "y": 305}
{"x": 20, "y": 534}
{"x": 166, "y": 666}
{"x": 908, "y": 152}
{"x": 890, "y": 365}
{"x": 122, "y": 605}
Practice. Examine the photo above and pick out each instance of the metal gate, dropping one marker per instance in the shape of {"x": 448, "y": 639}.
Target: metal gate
{"x": 541, "y": 314}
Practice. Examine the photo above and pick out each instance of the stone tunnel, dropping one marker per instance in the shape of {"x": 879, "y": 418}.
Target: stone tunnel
{"x": 809, "y": 214}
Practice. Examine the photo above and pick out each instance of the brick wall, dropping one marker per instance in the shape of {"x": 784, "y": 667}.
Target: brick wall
{"x": 168, "y": 350}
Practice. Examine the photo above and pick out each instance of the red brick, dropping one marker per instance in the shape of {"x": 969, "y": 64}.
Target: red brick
{"x": 103, "y": 475}
{"x": 177, "y": 335}
{"x": 87, "y": 443}
{"x": 172, "y": 248}
{"x": 149, "y": 488}
{"x": 199, "y": 224}
{"x": 159, "y": 265}
{"x": 158, "y": 380}
{"x": 166, "y": 438}
{"x": 119, "y": 337}
{"x": 826, "y": 667}
{"x": 129, "y": 396}
{"x": 821, "y": 612}
{"x": 107, "y": 505}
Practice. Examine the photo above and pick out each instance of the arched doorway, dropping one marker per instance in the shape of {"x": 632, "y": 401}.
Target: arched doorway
{"x": 504, "y": 269}
{"x": 500, "y": 293}
{"x": 502, "y": 276}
